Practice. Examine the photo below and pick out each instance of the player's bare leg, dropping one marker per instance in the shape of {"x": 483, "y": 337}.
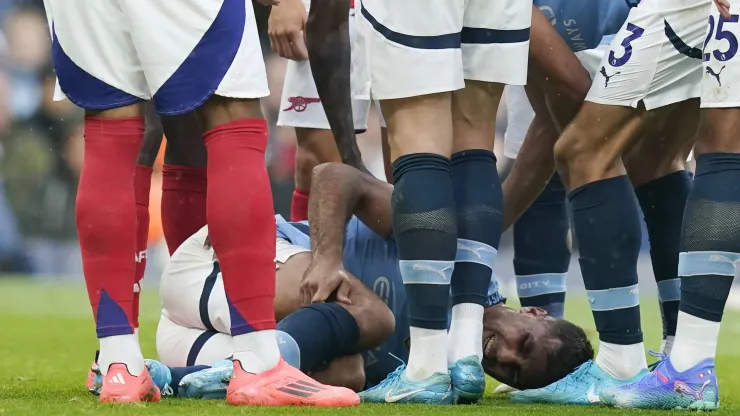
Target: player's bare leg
{"x": 657, "y": 168}
{"x": 479, "y": 206}
{"x": 314, "y": 147}
{"x": 242, "y": 231}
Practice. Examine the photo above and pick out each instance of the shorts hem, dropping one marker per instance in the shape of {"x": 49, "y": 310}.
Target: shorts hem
{"x": 606, "y": 101}
{"x": 734, "y": 104}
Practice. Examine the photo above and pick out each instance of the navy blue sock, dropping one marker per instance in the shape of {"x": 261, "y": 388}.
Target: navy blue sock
{"x": 179, "y": 372}
{"x": 662, "y": 201}
{"x": 478, "y": 204}
{"x": 425, "y": 231}
{"x": 541, "y": 253}
{"x": 711, "y": 236}
{"x": 323, "y": 332}
{"x": 607, "y": 225}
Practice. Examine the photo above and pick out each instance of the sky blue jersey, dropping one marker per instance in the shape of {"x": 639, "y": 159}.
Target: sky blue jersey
{"x": 583, "y": 23}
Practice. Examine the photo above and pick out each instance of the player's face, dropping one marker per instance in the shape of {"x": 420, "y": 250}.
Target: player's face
{"x": 516, "y": 345}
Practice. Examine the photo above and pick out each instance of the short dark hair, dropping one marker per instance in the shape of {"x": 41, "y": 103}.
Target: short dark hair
{"x": 575, "y": 349}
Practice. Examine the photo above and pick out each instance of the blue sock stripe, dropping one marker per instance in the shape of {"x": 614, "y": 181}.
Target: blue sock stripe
{"x": 540, "y": 284}
{"x": 470, "y": 251}
{"x": 669, "y": 290}
{"x": 614, "y": 299}
{"x": 426, "y": 272}
{"x": 700, "y": 263}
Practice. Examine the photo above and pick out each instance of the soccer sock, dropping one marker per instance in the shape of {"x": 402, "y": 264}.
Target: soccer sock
{"x": 425, "y": 230}
{"x": 183, "y": 203}
{"x": 299, "y": 206}
{"x": 142, "y": 186}
{"x": 541, "y": 254}
{"x": 323, "y": 332}
{"x": 242, "y": 231}
{"x": 662, "y": 201}
{"x": 607, "y": 227}
{"x": 178, "y": 373}
{"x": 478, "y": 204}
{"x": 710, "y": 253}
{"x": 106, "y": 227}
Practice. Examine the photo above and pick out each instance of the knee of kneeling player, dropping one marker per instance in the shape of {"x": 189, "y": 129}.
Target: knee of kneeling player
{"x": 374, "y": 319}
{"x": 346, "y": 371}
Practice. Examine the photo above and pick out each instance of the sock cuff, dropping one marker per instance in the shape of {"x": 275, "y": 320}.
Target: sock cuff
{"x": 129, "y": 129}
{"x": 709, "y": 163}
{"x": 142, "y": 184}
{"x": 477, "y": 155}
{"x": 600, "y": 192}
{"x": 668, "y": 184}
{"x": 420, "y": 161}
{"x": 232, "y": 134}
{"x": 300, "y": 194}
{"x": 184, "y": 178}
{"x": 345, "y": 326}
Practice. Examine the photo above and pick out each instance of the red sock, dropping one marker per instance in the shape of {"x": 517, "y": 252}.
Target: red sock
{"x": 106, "y": 219}
{"x": 241, "y": 222}
{"x": 142, "y": 186}
{"x": 299, "y": 206}
{"x": 183, "y": 203}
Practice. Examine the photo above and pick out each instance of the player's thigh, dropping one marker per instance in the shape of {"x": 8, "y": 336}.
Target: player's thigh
{"x": 653, "y": 59}
{"x": 95, "y": 60}
{"x": 191, "y": 50}
{"x": 179, "y": 346}
{"x": 495, "y": 40}
{"x": 720, "y": 98}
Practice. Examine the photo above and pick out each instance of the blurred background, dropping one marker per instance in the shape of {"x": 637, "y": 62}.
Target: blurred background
{"x": 41, "y": 151}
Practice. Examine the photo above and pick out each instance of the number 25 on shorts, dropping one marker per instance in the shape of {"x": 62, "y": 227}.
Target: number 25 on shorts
{"x": 719, "y": 35}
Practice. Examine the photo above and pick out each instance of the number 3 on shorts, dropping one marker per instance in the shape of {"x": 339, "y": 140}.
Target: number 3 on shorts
{"x": 615, "y": 61}
{"x": 720, "y": 35}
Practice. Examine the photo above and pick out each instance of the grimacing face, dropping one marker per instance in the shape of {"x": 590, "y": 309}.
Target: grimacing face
{"x": 516, "y": 346}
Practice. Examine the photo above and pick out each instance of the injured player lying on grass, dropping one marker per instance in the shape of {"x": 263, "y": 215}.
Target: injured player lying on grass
{"x": 361, "y": 333}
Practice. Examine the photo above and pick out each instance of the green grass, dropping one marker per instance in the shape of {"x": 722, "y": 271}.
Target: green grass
{"x": 47, "y": 342}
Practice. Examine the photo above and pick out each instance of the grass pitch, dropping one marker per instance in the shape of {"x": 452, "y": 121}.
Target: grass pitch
{"x": 47, "y": 342}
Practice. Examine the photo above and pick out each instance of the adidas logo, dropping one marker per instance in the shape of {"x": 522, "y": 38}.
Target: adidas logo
{"x": 117, "y": 379}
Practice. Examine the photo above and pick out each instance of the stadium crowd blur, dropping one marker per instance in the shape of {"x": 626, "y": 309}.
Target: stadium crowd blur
{"x": 41, "y": 152}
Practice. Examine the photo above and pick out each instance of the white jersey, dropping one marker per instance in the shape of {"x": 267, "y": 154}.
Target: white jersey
{"x": 113, "y": 53}
{"x": 418, "y": 47}
{"x": 656, "y": 56}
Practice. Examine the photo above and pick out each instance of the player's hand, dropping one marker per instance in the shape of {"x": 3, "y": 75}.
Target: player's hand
{"x": 724, "y": 7}
{"x": 322, "y": 279}
{"x": 286, "y": 29}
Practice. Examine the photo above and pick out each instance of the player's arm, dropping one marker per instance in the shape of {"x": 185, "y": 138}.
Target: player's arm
{"x": 549, "y": 52}
{"x": 329, "y": 53}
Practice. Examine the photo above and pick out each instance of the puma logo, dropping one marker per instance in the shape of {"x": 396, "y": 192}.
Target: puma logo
{"x": 427, "y": 268}
{"x": 711, "y": 72}
{"x": 607, "y": 77}
{"x": 476, "y": 251}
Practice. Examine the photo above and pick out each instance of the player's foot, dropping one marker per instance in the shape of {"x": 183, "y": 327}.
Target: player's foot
{"x": 159, "y": 373}
{"x": 581, "y": 387}
{"x": 396, "y": 388}
{"x": 468, "y": 380}
{"x": 284, "y": 386}
{"x": 119, "y": 386}
{"x": 207, "y": 384}
{"x": 667, "y": 388}
{"x": 503, "y": 389}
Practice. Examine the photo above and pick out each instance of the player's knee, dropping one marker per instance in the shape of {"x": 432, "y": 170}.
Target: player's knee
{"x": 374, "y": 319}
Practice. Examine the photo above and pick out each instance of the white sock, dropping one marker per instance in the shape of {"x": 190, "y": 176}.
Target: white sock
{"x": 257, "y": 351}
{"x": 667, "y": 345}
{"x": 696, "y": 340}
{"x": 428, "y": 354}
{"x": 466, "y": 332}
{"x": 121, "y": 349}
{"x": 621, "y": 361}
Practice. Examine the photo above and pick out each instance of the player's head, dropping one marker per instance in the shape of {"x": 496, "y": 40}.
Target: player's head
{"x": 527, "y": 349}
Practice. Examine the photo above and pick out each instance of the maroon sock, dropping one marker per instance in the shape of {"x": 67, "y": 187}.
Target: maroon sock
{"x": 241, "y": 222}
{"x": 299, "y": 206}
{"x": 106, "y": 219}
{"x": 183, "y": 203}
{"x": 142, "y": 186}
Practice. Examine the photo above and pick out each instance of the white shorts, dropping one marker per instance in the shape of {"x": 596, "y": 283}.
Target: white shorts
{"x": 519, "y": 111}
{"x": 301, "y": 106}
{"x": 656, "y": 56}
{"x": 113, "y": 53}
{"x": 720, "y": 87}
{"x": 195, "y": 325}
{"x": 419, "y": 47}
